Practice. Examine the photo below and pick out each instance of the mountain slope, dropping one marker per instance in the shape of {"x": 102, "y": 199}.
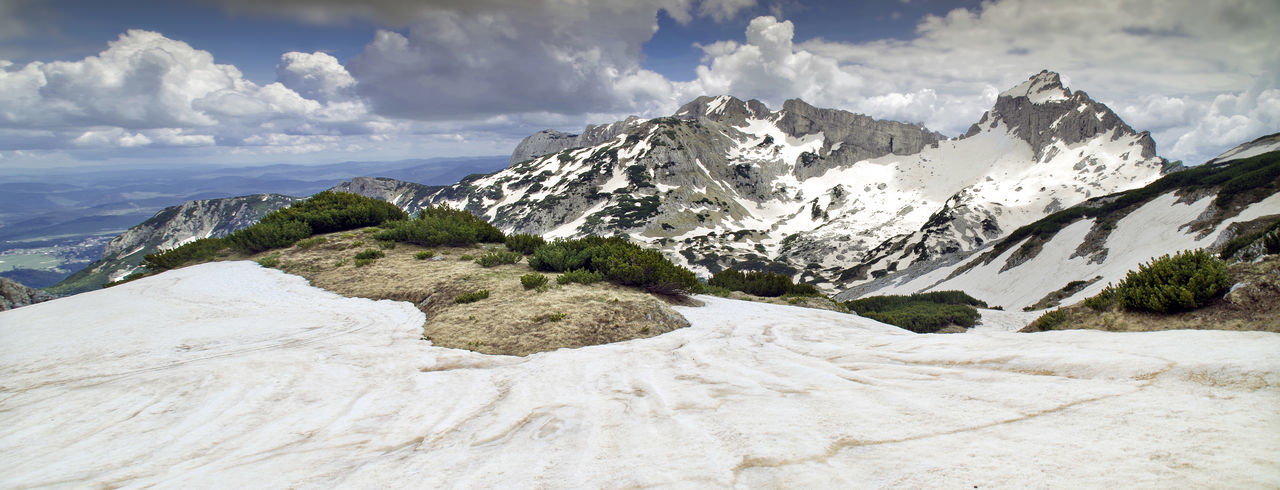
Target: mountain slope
{"x": 169, "y": 228}
{"x": 826, "y": 195}
{"x": 1097, "y": 242}
{"x": 14, "y": 295}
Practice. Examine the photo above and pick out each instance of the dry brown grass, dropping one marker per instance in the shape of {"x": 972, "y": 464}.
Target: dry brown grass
{"x": 1254, "y": 305}
{"x": 512, "y": 320}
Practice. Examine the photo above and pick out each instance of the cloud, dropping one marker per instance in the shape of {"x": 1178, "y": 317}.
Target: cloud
{"x": 146, "y": 90}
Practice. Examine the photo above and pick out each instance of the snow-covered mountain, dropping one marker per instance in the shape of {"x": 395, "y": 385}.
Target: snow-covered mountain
{"x": 171, "y": 227}
{"x": 830, "y": 196}
{"x": 1097, "y": 242}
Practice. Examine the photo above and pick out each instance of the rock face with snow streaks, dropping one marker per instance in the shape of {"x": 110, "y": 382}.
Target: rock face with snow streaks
{"x": 824, "y": 195}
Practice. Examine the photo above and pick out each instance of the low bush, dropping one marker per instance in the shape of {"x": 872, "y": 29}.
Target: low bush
{"x": 471, "y": 297}
{"x": 922, "y": 312}
{"x": 524, "y": 243}
{"x": 370, "y": 254}
{"x": 767, "y": 284}
{"x": 270, "y": 261}
{"x": 386, "y": 244}
{"x": 618, "y": 261}
{"x": 364, "y": 262}
{"x": 533, "y": 280}
{"x": 889, "y": 302}
{"x": 720, "y": 291}
{"x": 424, "y": 255}
{"x": 331, "y": 211}
{"x": 1181, "y": 282}
{"x": 267, "y": 235}
{"x": 1103, "y": 301}
{"x": 466, "y": 257}
{"x": 197, "y": 251}
{"x": 1050, "y": 320}
{"x": 926, "y": 317}
{"x": 579, "y": 276}
{"x": 498, "y": 258}
{"x": 310, "y": 242}
{"x": 441, "y": 226}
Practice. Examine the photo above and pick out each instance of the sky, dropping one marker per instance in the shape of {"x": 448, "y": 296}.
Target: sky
{"x": 191, "y": 82}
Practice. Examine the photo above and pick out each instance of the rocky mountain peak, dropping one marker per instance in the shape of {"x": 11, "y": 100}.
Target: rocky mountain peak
{"x": 723, "y": 108}
{"x": 1041, "y": 111}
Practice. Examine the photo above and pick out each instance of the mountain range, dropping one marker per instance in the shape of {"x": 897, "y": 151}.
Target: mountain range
{"x": 841, "y": 200}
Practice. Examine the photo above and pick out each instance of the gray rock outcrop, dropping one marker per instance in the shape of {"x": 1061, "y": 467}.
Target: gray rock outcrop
{"x": 13, "y": 295}
{"x": 550, "y": 141}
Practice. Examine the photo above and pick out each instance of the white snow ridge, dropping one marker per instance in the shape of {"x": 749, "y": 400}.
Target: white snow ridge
{"x": 227, "y": 375}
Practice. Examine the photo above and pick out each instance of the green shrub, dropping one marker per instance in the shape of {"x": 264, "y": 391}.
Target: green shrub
{"x": 889, "y": 302}
{"x": 370, "y": 254}
{"x": 364, "y": 262}
{"x": 331, "y": 211}
{"x": 767, "y": 284}
{"x": 1103, "y": 301}
{"x": 270, "y": 261}
{"x": 1184, "y": 281}
{"x": 618, "y": 261}
{"x": 424, "y": 255}
{"x": 927, "y": 317}
{"x": 267, "y": 235}
{"x": 498, "y": 258}
{"x": 921, "y": 312}
{"x": 386, "y": 244}
{"x": 197, "y": 251}
{"x": 441, "y": 226}
{"x": 580, "y": 276}
{"x": 466, "y": 257}
{"x": 524, "y": 243}
{"x": 310, "y": 242}
{"x": 1050, "y": 320}
{"x": 533, "y": 280}
{"x": 720, "y": 291}
{"x": 471, "y": 297}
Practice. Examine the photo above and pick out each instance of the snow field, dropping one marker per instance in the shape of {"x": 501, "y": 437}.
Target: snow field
{"x": 227, "y": 374}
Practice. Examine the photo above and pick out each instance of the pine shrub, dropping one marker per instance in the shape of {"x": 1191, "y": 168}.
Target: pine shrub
{"x": 370, "y": 254}
{"x": 580, "y": 276}
{"x": 498, "y": 258}
{"x": 471, "y": 297}
{"x": 766, "y": 284}
{"x": 424, "y": 254}
{"x": 921, "y": 312}
{"x": 533, "y": 280}
{"x": 331, "y": 211}
{"x": 1050, "y": 320}
{"x": 524, "y": 243}
{"x": 1104, "y": 300}
{"x": 441, "y": 226}
{"x": 618, "y": 261}
{"x": 1181, "y": 282}
{"x": 267, "y": 235}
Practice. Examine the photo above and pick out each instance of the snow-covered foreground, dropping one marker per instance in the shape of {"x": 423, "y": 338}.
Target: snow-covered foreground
{"x": 226, "y": 375}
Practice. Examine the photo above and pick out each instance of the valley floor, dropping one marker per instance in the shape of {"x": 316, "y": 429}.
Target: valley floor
{"x": 227, "y": 374}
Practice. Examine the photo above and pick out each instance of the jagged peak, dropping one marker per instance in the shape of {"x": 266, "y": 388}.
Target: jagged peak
{"x": 722, "y": 107}
{"x": 1042, "y": 87}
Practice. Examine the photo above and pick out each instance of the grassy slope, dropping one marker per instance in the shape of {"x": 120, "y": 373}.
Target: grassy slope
{"x": 511, "y": 321}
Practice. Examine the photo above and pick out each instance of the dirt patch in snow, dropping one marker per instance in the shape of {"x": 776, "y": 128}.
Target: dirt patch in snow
{"x": 1252, "y": 304}
{"x": 511, "y": 320}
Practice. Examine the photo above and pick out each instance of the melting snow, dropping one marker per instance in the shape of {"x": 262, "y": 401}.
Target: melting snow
{"x": 231, "y": 375}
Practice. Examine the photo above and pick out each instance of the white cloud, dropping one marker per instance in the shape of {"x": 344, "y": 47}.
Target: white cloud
{"x": 148, "y": 90}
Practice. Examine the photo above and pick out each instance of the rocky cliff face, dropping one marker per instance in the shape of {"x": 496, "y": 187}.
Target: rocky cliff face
{"x": 170, "y": 228}
{"x": 828, "y": 196}
{"x": 550, "y": 141}
{"x": 14, "y": 295}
